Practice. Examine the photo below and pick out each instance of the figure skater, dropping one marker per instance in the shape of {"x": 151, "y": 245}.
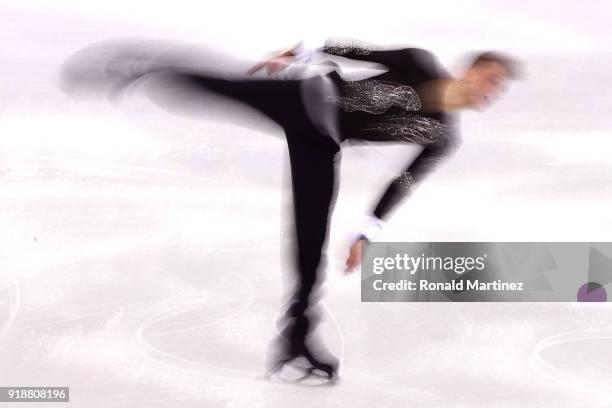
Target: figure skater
{"x": 414, "y": 101}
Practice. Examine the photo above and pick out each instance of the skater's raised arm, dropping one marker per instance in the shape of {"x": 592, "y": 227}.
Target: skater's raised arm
{"x": 401, "y": 59}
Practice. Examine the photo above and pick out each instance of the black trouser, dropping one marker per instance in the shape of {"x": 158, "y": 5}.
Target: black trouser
{"x": 313, "y": 158}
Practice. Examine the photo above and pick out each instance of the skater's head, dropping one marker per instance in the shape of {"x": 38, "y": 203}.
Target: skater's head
{"x": 486, "y": 77}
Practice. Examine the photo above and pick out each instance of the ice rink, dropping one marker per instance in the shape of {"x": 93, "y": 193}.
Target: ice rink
{"x": 142, "y": 256}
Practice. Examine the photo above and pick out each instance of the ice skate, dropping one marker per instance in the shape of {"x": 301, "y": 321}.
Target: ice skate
{"x": 294, "y": 343}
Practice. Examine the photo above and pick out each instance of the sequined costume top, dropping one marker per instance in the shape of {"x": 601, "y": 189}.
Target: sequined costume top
{"x": 387, "y": 108}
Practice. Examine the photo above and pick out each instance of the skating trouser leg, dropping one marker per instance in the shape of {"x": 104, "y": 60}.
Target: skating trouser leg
{"x": 314, "y": 192}
{"x": 283, "y": 101}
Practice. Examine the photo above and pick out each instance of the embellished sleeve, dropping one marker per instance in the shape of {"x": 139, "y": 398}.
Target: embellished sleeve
{"x": 401, "y": 187}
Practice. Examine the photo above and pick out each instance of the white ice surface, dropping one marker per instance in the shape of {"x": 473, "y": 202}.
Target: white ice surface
{"x": 141, "y": 256}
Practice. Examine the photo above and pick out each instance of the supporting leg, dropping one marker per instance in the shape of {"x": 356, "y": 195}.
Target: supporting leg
{"x": 314, "y": 193}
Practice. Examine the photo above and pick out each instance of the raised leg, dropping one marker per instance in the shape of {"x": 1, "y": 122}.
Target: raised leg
{"x": 277, "y": 99}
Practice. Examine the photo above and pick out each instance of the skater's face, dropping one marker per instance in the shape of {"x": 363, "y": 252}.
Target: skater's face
{"x": 486, "y": 81}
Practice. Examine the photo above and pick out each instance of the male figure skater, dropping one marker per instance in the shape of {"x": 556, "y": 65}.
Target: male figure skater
{"x": 412, "y": 102}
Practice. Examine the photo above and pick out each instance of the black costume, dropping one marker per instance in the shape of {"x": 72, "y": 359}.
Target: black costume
{"x": 382, "y": 108}
{"x": 387, "y": 108}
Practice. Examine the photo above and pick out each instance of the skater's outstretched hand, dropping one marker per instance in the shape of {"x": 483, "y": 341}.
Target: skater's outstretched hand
{"x": 354, "y": 257}
{"x": 274, "y": 63}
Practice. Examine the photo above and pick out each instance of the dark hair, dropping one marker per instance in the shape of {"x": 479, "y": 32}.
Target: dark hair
{"x": 513, "y": 66}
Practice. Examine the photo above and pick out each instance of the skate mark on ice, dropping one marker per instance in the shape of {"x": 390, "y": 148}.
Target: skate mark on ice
{"x": 538, "y": 362}
{"x": 13, "y": 307}
{"x": 100, "y": 168}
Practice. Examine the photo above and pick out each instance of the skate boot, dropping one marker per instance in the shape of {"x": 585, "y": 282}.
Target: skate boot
{"x": 294, "y": 342}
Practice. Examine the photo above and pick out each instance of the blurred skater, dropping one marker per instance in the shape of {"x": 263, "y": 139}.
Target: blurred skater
{"x": 414, "y": 101}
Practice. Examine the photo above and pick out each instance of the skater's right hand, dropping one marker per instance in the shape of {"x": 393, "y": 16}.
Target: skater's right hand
{"x": 354, "y": 257}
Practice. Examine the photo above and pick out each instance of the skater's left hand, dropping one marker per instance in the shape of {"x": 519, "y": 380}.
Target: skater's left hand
{"x": 277, "y": 61}
{"x": 354, "y": 257}
{"x": 272, "y": 66}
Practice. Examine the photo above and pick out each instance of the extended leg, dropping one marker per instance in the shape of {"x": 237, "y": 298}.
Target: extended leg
{"x": 294, "y": 104}
{"x": 277, "y": 99}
